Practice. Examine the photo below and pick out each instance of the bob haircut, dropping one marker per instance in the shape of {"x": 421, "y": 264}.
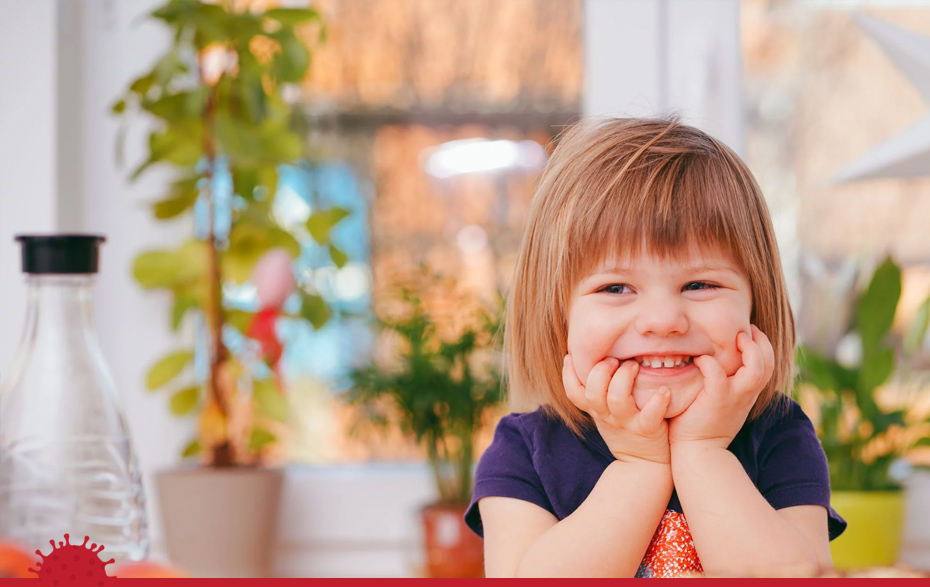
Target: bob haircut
{"x": 615, "y": 186}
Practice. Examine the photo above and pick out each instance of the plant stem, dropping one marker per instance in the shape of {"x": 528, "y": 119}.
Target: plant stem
{"x": 464, "y": 481}
{"x": 433, "y": 458}
{"x": 222, "y": 454}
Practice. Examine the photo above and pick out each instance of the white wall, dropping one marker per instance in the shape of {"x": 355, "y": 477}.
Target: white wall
{"x": 650, "y": 57}
{"x": 28, "y": 157}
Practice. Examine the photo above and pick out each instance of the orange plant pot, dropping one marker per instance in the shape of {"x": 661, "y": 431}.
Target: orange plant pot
{"x": 452, "y": 549}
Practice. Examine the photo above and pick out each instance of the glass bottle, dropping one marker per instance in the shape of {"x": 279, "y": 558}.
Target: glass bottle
{"x": 66, "y": 459}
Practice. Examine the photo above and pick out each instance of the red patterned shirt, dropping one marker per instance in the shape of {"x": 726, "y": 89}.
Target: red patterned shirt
{"x": 671, "y": 552}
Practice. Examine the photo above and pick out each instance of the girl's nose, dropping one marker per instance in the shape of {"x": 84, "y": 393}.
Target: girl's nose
{"x": 661, "y": 316}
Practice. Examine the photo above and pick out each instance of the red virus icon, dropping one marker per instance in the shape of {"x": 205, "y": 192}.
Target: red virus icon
{"x": 73, "y": 565}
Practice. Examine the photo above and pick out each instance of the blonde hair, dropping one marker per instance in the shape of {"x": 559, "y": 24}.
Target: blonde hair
{"x": 613, "y": 186}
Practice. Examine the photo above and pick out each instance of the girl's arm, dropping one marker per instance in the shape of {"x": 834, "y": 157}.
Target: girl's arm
{"x": 736, "y": 531}
{"x": 606, "y": 536}
{"x": 610, "y": 531}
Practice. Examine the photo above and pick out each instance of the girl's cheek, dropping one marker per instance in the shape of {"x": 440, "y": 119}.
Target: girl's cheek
{"x": 579, "y": 346}
{"x": 731, "y": 356}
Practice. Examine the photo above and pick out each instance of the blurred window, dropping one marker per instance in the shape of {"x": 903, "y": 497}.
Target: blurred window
{"x": 821, "y": 92}
{"x": 431, "y": 120}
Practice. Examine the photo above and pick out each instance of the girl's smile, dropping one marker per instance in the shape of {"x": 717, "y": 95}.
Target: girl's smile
{"x": 661, "y": 313}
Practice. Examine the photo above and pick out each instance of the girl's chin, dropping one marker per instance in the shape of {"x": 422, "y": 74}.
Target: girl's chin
{"x": 682, "y": 396}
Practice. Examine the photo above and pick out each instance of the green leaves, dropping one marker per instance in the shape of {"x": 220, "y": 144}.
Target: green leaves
{"x": 434, "y": 390}
{"x": 179, "y": 105}
{"x": 292, "y": 61}
{"x": 193, "y": 448}
{"x": 186, "y": 265}
{"x": 339, "y": 258}
{"x": 182, "y": 303}
{"x": 917, "y": 329}
{"x": 875, "y": 371}
{"x": 183, "y": 194}
{"x": 269, "y": 399}
{"x": 180, "y": 144}
{"x": 174, "y": 207}
{"x": 293, "y": 16}
{"x": 254, "y": 146}
{"x": 142, "y": 84}
{"x": 249, "y": 239}
{"x": 206, "y": 23}
{"x": 184, "y": 401}
{"x": 314, "y": 309}
{"x": 876, "y": 309}
{"x": 239, "y": 319}
{"x": 167, "y": 368}
{"x": 851, "y": 417}
{"x": 321, "y": 223}
{"x": 259, "y": 438}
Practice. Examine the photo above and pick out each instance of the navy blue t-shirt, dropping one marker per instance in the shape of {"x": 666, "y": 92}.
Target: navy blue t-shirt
{"x": 536, "y": 458}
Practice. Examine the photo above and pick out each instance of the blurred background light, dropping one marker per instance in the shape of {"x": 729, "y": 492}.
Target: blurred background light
{"x": 482, "y": 156}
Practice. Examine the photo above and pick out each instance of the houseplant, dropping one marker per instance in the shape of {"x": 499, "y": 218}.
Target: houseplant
{"x": 220, "y": 104}
{"x": 443, "y": 382}
{"x": 863, "y": 427}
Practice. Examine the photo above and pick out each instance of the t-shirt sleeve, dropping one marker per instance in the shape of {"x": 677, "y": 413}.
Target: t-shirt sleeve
{"x": 793, "y": 467}
{"x": 506, "y": 470}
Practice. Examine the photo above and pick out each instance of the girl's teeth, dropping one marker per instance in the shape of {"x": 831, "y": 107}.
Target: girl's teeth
{"x": 664, "y": 362}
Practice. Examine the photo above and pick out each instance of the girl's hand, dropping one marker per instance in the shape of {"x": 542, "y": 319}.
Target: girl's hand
{"x": 720, "y": 409}
{"x": 630, "y": 433}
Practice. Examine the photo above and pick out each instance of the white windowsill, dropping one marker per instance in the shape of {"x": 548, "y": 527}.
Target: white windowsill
{"x": 348, "y": 521}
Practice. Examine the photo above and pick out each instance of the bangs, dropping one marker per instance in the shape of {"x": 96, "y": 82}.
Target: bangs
{"x": 663, "y": 208}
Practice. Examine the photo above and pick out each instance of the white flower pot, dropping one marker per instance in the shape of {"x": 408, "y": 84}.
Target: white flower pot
{"x": 915, "y": 547}
{"x": 220, "y": 522}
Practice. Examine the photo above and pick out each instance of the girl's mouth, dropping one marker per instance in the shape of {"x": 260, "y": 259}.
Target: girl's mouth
{"x": 664, "y": 366}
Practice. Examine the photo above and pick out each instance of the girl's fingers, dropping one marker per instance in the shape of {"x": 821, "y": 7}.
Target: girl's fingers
{"x": 620, "y": 391}
{"x": 768, "y": 351}
{"x": 652, "y": 416}
{"x": 574, "y": 390}
{"x": 595, "y": 389}
{"x": 715, "y": 378}
{"x": 753, "y": 375}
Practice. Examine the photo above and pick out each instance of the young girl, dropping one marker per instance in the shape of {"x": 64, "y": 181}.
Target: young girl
{"x": 649, "y": 319}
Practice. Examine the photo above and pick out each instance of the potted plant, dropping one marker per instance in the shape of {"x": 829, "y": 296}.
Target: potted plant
{"x": 220, "y": 103}
{"x": 864, "y": 426}
{"x": 440, "y": 387}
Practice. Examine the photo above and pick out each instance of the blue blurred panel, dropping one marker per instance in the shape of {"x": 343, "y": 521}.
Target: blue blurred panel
{"x": 346, "y": 339}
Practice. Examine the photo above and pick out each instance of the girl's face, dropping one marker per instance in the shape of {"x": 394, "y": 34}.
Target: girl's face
{"x": 661, "y": 314}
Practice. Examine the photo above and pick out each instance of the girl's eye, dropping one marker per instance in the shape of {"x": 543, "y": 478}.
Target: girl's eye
{"x": 699, "y": 285}
{"x": 615, "y": 288}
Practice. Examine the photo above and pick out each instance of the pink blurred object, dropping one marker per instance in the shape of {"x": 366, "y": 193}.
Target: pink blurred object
{"x": 273, "y": 278}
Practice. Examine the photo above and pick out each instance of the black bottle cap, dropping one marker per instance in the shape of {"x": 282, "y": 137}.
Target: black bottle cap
{"x": 60, "y": 253}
